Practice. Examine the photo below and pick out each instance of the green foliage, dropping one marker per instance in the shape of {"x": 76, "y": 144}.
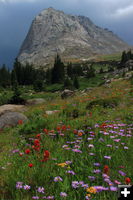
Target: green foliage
{"x": 16, "y": 99}
{"x": 67, "y": 84}
{"x": 76, "y": 83}
{"x": 58, "y": 73}
{"x": 126, "y": 56}
{"x": 38, "y": 85}
{"x": 48, "y": 76}
{"x": 90, "y": 72}
{"x": 105, "y": 103}
{"x": 5, "y": 77}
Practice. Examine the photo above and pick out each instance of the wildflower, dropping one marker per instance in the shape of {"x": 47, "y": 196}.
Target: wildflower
{"x": 58, "y": 178}
{"x": 26, "y": 187}
{"x": 20, "y": 122}
{"x": 70, "y": 172}
{"x": 96, "y": 164}
{"x": 35, "y": 197}
{"x": 19, "y": 185}
{"x": 92, "y": 178}
{"x": 50, "y": 197}
{"x": 40, "y": 189}
{"x": 91, "y": 190}
{"x": 27, "y": 151}
{"x": 20, "y": 154}
{"x": 63, "y": 194}
{"x": 106, "y": 169}
{"x": 80, "y": 134}
{"x": 121, "y": 173}
{"x": 46, "y": 153}
{"x": 90, "y": 145}
{"x": 38, "y": 136}
{"x": 46, "y": 131}
{"x": 127, "y": 180}
{"x": 62, "y": 164}
{"x": 107, "y": 157}
{"x": 112, "y": 188}
{"x": 96, "y": 171}
{"x": 77, "y": 150}
{"x": 117, "y": 182}
{"x": 75, "y": 184}
{"x": 30, "y": 165}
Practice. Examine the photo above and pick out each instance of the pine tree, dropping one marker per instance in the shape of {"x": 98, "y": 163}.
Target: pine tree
{"x": 76, "y": 83}
{"x": 68, "y": 84}
{"x": 101, "y": 70}
{"x": 90, "y": 72}
{"x": 124, "y": 57}
{"x": 48, "y": 76}
{"x": 58, "y": 72}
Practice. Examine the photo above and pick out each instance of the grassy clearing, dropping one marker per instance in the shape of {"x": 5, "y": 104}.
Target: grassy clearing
{"x": 81, "y": 142}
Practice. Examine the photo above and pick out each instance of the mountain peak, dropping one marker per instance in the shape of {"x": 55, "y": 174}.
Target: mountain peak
{"x": 71, "y": 36}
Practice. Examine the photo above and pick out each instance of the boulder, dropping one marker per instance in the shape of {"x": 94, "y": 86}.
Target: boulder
{"x": 11, "y": 119}
{"x": 10, "y": 107}
{"x": 50, "y": 112}
{"x": 35, "y": 101}
{"x": 67, "y": 93}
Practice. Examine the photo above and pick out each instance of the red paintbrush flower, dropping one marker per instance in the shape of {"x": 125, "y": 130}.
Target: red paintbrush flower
{"x": 45, "y": 131}
{"x": 106, "y": 169}
{"x": 58, "y": 128}
{"x": 46, "y": 153}
{"x": 127, "y": 180}
{"x": 20, "y": 122}
{"x": 27, "y": 151}
{"x": 30, "y": 165}
{"x": 38, "y": 136}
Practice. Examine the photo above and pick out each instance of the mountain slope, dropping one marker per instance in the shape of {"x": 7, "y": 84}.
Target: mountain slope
{"x": 71, "y": 36}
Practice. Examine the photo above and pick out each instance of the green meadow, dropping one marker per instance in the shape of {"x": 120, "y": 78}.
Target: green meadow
{"x": 83, "y": 151}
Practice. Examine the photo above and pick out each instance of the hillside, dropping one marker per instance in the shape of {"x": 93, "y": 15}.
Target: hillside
{"x": 84, "y": 150}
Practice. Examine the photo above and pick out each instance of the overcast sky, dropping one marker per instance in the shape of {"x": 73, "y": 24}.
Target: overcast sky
{"x": 17, "y": 15}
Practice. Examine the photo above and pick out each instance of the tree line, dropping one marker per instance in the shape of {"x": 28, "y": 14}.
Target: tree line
{"x": 59, "y": 73}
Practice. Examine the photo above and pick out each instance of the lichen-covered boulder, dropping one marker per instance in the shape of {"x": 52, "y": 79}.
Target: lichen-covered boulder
{"x": 11, "y": 119}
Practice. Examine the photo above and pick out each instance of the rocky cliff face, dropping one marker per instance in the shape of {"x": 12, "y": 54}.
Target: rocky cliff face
{"x": 53, "y": 31}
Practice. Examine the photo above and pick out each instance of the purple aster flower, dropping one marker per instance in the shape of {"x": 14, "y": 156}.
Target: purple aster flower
{"x": 50, "y": 197}
{"x": 96, "y": 171}
{"x": 77, "y": 150}
{"x": 63, "y": 194}
{"x": 19, "y": 185}
{"x": 85, "y": 186}
{"x": 68, "y": 162}
{"x": 40, "y": 189}
{"x": 109, "y": 145}
{"x": 70, "y": 172}
{"x": 100, "y": 188}
{"x": 15, "y": 151}
{"x": 92, "y": 178}
{"x": 101, "y": 139}
{"x": 81, "y": 182}
{"x": 35, "y": 197}
{"x": 26, "y": 187}
{"x": 125, "y": 147}
{"x": 107, "y": 157}
{"x": 117, "y": 140}
{"x": 91, "y": 154}
{"x": 112, "y": 188}
{"x": 97, "y": 164}
{"x": 117, "y": 182}
{"x": 121, "y": 173}
{"x": 105, "y": 176}
{"x": 75, "y": 184}
{"x": 89, "y": 138}
{"x": 58, "y": 178}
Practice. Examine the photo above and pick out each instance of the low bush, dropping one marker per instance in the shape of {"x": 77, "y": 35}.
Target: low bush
{"x": 105, "y": 103}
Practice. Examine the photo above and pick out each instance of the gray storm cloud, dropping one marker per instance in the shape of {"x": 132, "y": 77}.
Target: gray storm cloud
{"x": 17, "y": 15}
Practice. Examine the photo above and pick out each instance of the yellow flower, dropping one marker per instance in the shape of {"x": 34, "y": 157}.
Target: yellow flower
{"x": 62, "y": 164}
{"x": 91, "y": 190}
{"x": 88, "y": 195}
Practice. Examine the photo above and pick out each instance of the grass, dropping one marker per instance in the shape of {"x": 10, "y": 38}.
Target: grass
{"x": 88, "y": 133}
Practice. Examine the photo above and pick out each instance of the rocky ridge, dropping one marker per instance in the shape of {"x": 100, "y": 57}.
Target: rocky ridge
{"x": 71, "y": 36}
